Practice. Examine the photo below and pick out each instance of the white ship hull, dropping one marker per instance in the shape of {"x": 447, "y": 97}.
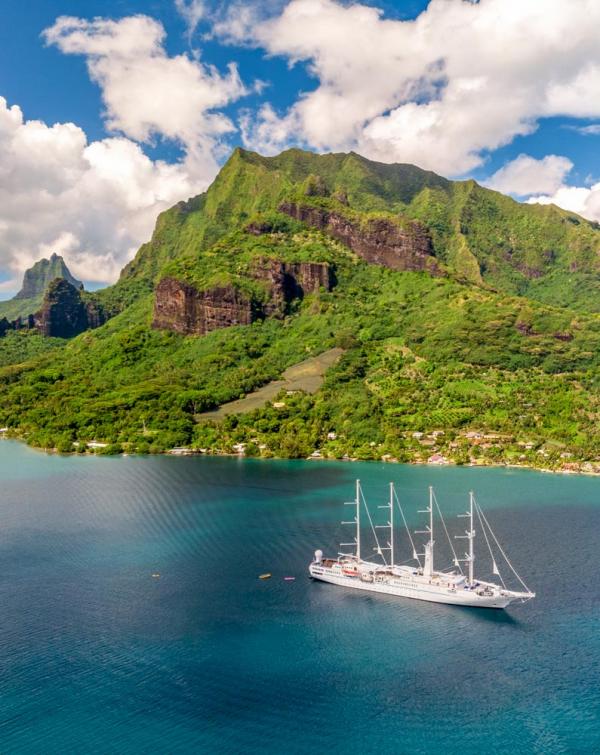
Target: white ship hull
{"x": 430, "y": 592}
{"x": 422, "y": 582}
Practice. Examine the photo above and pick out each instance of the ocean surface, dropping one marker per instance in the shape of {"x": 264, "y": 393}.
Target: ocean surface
{"x": 99, "y": 656}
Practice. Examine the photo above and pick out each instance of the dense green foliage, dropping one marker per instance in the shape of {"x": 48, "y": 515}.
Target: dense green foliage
{"x": 20, "y": 346}
{"x": 14, "y": 308}
{"x": 508, "y": 344}
{"x": 539, "y": 251}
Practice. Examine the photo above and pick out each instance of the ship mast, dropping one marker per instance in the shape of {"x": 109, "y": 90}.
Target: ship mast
{"x": 389, "y": 526}
{"x": 470, "y": 536}
{"x": 392, "y": 523}
{"x": 358, "y": 520}
{"x": 428, "y": 564}
{"x": 431, "y": 528}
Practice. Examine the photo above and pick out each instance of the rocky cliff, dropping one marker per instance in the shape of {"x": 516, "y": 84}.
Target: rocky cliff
{"x": 64, "y": 313}
{"x": 287, "y": 281}
{"x": 37, "y": 278}
{"x": 402, "y": 245}
{"x": 182, "y": 308}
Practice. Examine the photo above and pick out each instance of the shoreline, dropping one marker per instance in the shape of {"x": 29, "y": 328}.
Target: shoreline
{"x": 187, "y": 452}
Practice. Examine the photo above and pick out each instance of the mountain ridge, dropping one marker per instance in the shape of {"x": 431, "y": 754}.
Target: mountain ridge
{"x": 479, "y": 233}
{"x": 502, "y": 339}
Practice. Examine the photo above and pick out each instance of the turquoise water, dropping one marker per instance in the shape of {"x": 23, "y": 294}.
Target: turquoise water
{"x": 96, "y": 656}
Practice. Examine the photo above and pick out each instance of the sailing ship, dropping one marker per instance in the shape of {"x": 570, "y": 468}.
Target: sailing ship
{"x": 421, "y": 580}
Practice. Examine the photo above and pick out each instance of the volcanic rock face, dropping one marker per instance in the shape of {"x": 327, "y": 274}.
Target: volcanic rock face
{"x": 291, "y": 280}
{"x": 310, "y": 276}
{"x": 64, "y": 313}
{"x": 379, "y": 241}
{"x": 181, "y": 308}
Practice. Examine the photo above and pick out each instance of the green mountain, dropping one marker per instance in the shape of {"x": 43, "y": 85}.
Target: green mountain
{"x": 469, "y": 324}
{"x": 35, "y": 282}
{"x": 539, "y": 251}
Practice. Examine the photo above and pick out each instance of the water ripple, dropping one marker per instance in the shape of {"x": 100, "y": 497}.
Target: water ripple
{"x": 99, "y": 656}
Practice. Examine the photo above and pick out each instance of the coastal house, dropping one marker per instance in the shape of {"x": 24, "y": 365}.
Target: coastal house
{"x": 437, "y": 459}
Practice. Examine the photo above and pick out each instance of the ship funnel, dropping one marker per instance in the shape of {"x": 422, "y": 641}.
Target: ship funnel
{"x": 318, "y": 556}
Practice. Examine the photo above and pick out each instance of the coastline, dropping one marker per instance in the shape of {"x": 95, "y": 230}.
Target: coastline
{"x": 181, "y": 452}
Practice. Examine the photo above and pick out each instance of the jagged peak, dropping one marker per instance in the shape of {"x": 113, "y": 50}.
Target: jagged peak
{"x": 37, "y": 278}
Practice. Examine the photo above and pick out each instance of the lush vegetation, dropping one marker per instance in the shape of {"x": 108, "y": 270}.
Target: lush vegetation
{"x": 23, "y": 345}
{"x": 14, "y": 308}
{"x": 539, "y": 251}
{"x": 497, "y": 362}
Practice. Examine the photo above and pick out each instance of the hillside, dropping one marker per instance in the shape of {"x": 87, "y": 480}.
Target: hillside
{"x": 468, "y": 322}
{"x": 539, "y": 251}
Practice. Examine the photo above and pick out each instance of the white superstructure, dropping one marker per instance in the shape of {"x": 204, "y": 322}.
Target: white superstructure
{"x": 422, "y": 581}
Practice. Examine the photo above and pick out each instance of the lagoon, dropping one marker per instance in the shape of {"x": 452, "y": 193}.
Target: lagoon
{"x": 99, "y": 656}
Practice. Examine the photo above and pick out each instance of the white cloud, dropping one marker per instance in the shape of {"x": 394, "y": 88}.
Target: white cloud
{"x": 580, "y": 199}
{"x": 97, "y": 202}
{"x": 267, "y": 133}
{"x": 94, "y": 203}
{"x": 192, "y": 12}
{"x": 525, "y": 175}
{"x": 441, "y": 90}
{"x": 592, "y": 130}
{"x": 146, "y": 92}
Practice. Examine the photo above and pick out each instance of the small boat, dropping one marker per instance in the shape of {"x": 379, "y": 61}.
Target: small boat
{"x": 421, "y": 581}
{"x": 156, "y": 575}
{"x": 289, "y": 579}
{"x": 265, "y": 576}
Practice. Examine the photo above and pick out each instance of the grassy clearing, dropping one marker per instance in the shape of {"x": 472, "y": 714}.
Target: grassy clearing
{"x": 306, "y": 376}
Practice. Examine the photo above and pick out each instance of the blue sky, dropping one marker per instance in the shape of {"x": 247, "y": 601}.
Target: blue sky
{"x": 56, "y": 88}
{"x": 507, "y": 92}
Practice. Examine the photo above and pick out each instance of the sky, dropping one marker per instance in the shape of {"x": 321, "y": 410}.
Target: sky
{"x": 113, "y": 110}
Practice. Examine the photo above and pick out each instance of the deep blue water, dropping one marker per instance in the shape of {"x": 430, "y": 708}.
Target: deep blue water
{"x": 96, "y": 656}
